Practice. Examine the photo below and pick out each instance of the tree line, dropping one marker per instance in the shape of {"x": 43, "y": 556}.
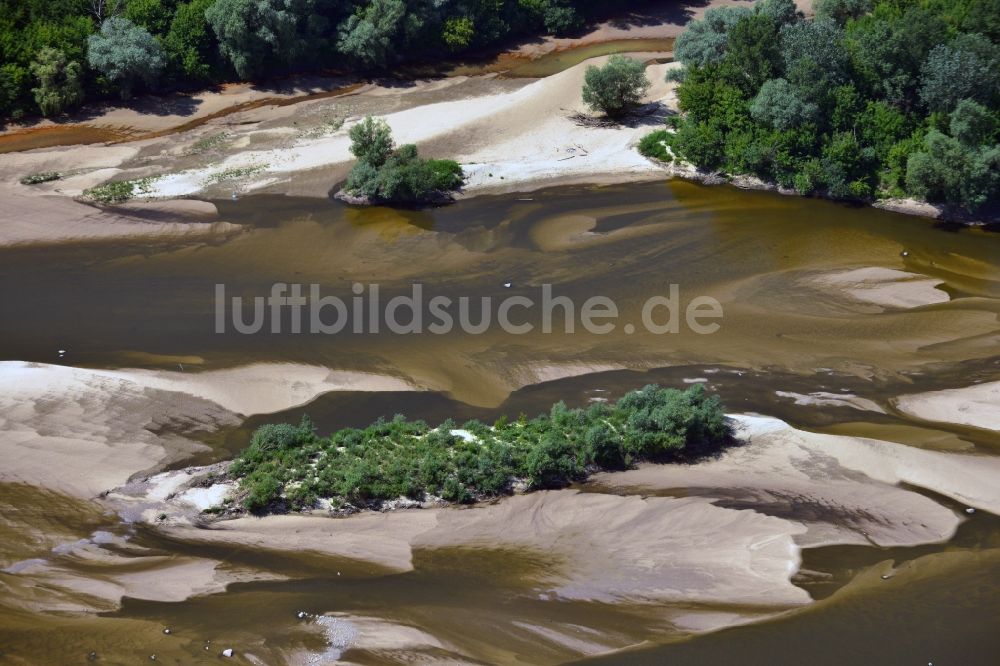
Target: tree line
{"x": 868, "y": 99}
{"x": 55, "y": 54}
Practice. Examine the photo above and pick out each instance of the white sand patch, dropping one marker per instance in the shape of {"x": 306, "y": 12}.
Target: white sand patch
{"x": 85, "y": 431}
{"x": 885, "y": 287}
{"x": 977, "y": 406}
{"x": 206, "y": 498}
{"x": 524, "y": 136}
{"x": 845, "y": 489}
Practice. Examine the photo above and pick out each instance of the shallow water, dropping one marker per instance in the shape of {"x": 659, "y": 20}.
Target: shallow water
{"x": 150, "y": 304}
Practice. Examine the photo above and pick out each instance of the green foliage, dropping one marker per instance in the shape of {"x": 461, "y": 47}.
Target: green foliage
{"x": 125, "y": 54}
{"x": 190, "y": 42}
{"x": 291, "y": 466}
{"x": 870, "y": 98}
{"x": 782, "y": 12}
{"x": 949, "y": 172}
{"x": 448, "y": 174}
{"x": 973, "y": 124}
{"x": 119, "y": 191}
{"x": 656, "y": 145}
{"x": 615, "y": 87}
{"x": 254, "y": 35}
{"x": 370, "y": 35}
{"x": 60, "y": 82}
{"x": 966, "y": 68}
{"x": 371, "y": 141}
{"x": 704, "y": 42}
{"x": 400, "y": 175}
{"x": 40, "y": 177}
{"x": 458, "y": 32}
{"x": 841, "y": 10}
{"x": 779, "y": 106}
{"x": 216, "y": 40}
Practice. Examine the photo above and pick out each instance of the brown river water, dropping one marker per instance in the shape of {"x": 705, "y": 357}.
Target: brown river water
{"x": 763, "y": 257}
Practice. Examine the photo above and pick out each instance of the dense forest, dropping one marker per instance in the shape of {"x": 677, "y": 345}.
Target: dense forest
{"x": 54, "y": 54}
{"x": 289, "y": 466}
{"x": 868, "y": 99}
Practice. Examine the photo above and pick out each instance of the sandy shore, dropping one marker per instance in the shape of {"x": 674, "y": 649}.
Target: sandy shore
{"x": 82, "y": 432}
{"x": 977, "y": 406}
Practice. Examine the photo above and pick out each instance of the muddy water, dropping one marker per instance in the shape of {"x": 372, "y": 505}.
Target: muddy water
{"x": 763, "y": 257}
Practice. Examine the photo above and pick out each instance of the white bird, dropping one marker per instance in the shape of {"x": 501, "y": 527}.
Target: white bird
{"x": 507, "y": 285}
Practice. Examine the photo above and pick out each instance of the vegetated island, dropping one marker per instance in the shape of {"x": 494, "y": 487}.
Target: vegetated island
{"x": 386, "y": 174}
{"x": 399, "y": 462}
{"x": 870, "y": 100}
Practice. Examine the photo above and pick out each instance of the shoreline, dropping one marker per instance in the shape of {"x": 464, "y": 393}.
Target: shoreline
{"x": 911, "y": 207}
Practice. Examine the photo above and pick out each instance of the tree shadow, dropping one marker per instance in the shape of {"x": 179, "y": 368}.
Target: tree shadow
{"x": 654, "y": 114}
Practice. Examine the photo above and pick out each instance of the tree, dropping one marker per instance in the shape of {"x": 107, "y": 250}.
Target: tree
{"x": 60, "y": 86}
{"x": 616, "y": 87}
{"x": 947, "y": 171}
{"x": 371, "y": 141}
{"x": 369, "y": 37}
{"x": 780, "y": 11}
{"x": 889, "y": 52}
{"x": 254, "y": 34}
{"x": 781, "y": 107}
{"x": 395, "y": 175}
{"x": 704, "y": 42}
{"x": 841, "y": 10}
{"x": 820, "y": 42}
{"x": 560, "y": 17}
{"x": 973, "y": 124}
{"x": 753, "y": 53}
{"x": 967, "y": 68}
{"x": 190, "y": 41}
{"x": 125, "y": 54}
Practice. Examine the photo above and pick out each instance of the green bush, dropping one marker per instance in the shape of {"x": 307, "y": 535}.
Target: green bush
{"x": 399, "y": 175}
{"x": 286, "y": 465}
{"x": 616, "y": 87}
{"x": 656, "y": 145}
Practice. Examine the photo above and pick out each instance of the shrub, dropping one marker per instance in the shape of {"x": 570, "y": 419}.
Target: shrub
{"x": 616, "y": 87}
{"x": 395, "y": 175}
{"x": 656, "y": 145}
{"x": 60, "y": 82}
{"x": 41, "y": 177}
{"x": 448, "y": 174}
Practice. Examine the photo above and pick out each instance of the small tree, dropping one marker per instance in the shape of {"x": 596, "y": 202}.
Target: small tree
{"x": 59, "y": 82}
{"x": 371, "y": 141}
{"x": 617, "y": 86}
{"x": 125, "y": 54}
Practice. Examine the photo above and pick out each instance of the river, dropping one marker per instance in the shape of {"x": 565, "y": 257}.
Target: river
{"x": 788, "y": 331}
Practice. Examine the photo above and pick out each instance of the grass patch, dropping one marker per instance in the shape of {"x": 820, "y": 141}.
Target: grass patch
{"x": 40, "y": 177}
{"x": 289, "y": 466}
{"x": 208, "y": 143}
{"x": 329, "y": 126}
{"x": 234, "y": 173}
{"x": 120, "y": 191}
